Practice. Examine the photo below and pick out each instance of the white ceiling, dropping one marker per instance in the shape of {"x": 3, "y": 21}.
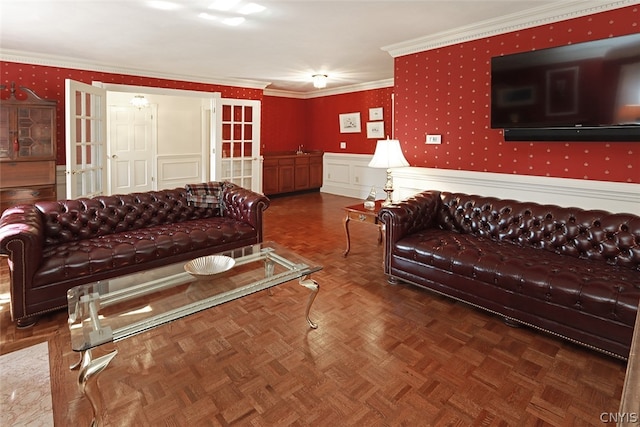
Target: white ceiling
{"x": 283, "y": 45}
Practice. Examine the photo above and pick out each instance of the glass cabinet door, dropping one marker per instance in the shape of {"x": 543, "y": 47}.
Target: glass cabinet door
{"x": 35, "y": 132}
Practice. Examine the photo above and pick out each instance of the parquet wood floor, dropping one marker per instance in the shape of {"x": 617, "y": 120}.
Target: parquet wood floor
{"x": 382, "y": 355}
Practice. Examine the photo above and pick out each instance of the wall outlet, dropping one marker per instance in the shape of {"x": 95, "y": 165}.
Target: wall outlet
{"x": 343, "y": 145}
{"x": 433, "y": 139}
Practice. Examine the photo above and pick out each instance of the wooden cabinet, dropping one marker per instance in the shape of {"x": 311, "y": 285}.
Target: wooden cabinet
{"x": 27, "y": 149}
{"x": 286, "y": 172}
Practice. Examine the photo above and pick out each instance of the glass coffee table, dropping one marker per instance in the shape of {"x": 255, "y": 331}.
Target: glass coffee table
{"x": 113, "y": 310}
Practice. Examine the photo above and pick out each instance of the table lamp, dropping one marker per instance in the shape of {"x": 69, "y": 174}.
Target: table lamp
{"x": 388, "y": 155}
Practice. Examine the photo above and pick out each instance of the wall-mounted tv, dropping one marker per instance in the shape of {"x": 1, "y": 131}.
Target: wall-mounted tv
{"x": 580, "y": 92}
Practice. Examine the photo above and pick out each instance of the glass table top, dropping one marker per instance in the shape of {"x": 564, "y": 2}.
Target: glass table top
{"x": 114, "y": 309}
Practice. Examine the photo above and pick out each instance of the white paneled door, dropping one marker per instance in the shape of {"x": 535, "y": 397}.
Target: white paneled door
{"x": 85, "y": 140}
{"x": 132, "y": 148}
{"x": 236, "y": 142}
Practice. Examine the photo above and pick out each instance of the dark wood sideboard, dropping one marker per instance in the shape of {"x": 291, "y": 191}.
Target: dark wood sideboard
{"x": 287, "y": 172}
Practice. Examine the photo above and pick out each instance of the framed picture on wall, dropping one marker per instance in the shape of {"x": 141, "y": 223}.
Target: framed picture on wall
{"x": 350, "y": 123}
{"x": 375, "y": 130}
{"x": 375, "y": 113}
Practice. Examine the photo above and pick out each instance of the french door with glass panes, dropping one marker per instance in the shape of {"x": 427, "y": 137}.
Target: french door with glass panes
{"x": 85, "y": 139}
{"x": 236, "y": 138}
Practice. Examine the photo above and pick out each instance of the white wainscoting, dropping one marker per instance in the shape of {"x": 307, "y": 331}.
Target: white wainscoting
{"x": 61, "y": 182}
{"x": 179, "y": 170}
{"x": 348, "y": 175}
{"x": 173, "y": 171}
{"x": 586, "y": 194}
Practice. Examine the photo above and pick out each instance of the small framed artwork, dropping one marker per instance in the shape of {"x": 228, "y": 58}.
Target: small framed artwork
{"x": 375, "y": 130}
{"x": 350, "y": 123}
{"x": 375, "y": 113}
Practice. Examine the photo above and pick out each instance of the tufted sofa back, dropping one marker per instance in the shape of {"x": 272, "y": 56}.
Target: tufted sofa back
{"x": 591, "y": 234}
{"x": 78, "y": 219}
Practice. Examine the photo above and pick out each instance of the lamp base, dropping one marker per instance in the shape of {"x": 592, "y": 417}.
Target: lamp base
{"x": 388, "y": 200}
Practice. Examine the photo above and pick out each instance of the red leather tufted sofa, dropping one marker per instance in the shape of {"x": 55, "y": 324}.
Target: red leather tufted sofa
{"x": 571, "y": 272}
{"x": 54, "y": 246}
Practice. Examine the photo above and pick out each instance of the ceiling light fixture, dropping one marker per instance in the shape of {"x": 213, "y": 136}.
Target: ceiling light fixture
{"x": 319, "y": 81}
{"x": 139, "y": 101}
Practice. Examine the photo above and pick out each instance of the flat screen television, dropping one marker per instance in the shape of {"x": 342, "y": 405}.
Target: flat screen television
{"x": 580, "y": 92}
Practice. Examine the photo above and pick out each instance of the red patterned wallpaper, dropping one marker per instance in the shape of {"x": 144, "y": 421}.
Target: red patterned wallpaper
{"x": 284, "y": 124}
{"x": 324, "y": 126}
{"x": 446, "y": 91}
{"x": 48, "y": 83}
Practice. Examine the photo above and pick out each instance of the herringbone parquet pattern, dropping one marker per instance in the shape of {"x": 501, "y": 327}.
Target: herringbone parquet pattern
{"x": 382, "y": 355}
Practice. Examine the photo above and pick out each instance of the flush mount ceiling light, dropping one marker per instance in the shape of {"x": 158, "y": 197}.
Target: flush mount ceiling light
{"x": 319, "y": 81}
{"x": 139, "y": 101}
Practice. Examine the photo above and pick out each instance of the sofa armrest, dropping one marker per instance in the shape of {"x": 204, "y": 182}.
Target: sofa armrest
{"x": 406, "y": 217}
{"x": 22, "y": 240}
{"x": 244, "y": 205}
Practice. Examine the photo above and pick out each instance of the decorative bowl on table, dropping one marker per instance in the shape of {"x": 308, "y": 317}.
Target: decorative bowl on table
{"x": 209, "y": 265}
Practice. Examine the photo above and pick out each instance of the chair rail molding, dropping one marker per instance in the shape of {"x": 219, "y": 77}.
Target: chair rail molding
{"x": 616, "y": 197}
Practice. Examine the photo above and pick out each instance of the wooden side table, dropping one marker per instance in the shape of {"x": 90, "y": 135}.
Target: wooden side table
{"x": 361, "y": 214}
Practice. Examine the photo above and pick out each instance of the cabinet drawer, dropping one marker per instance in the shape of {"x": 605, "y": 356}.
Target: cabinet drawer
{"x": 15, "y": 174}
{"x": 28, "y": 194}
{"x": 302, "y": 160}
{"x": 286, "y": 162}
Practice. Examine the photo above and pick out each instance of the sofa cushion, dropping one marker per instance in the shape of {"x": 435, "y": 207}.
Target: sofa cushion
{"x": 607, "y": 291}
{"x": 112, "y": 251}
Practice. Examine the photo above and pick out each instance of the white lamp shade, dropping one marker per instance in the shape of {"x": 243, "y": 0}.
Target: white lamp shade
{"x": 388, "y": 155}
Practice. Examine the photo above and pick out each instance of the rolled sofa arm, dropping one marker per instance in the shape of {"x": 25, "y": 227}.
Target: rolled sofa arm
{"x": 406, "y": 217}
{"x": 244, "y": 205}
{"x": 21, "y": 239}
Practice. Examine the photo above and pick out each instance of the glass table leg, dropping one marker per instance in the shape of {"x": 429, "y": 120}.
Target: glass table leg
{"x": 88, "y": 378}
{"x": 313, "y": 286}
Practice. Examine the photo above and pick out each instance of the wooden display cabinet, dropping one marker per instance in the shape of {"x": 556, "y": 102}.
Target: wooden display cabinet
{"x": 27, "y": 149}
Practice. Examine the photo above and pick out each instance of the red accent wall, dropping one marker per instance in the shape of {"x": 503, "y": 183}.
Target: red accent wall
{"x": 325, "y": 124}
{"x": 315, "y": 123}
{"x": 48, "y": 83}
{"x": 285, "y": 124}
{"x": 447, "y": 91}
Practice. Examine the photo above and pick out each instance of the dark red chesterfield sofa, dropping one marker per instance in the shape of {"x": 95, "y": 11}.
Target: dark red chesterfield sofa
{"x": 54, "y": 246}
{"x": 571, "y": 272}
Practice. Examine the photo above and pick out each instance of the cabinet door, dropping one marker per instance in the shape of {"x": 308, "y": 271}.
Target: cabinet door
{"x": 36, "y": 132}
{"x": 315, "y": 172}
{"x": 286, "y": 182}
{"x": 6, "y": 131}
{"x": 302, "y": 173}
{"x": 270, "y": 176}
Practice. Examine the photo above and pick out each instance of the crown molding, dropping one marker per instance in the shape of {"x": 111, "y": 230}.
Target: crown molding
{"x": 65, "y": 62}
{"x": 508, "y": 23}
{"x": 379, "y": 84}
